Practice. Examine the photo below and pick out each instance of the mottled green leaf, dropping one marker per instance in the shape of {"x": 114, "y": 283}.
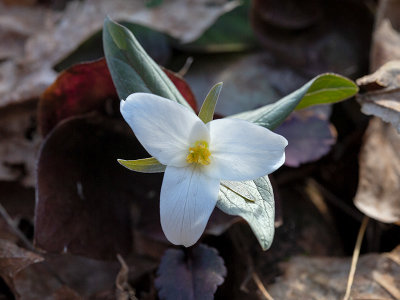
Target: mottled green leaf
{"x": 254, "y": 201}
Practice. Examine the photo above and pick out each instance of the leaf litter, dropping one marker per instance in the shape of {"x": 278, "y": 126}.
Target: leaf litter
{"x": 310, "y": 222}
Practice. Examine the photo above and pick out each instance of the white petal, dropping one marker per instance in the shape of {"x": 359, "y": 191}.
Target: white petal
{"x": 241, "y": 150}
{"x": 165, "y": 128}
{"x": 187, "y": 199}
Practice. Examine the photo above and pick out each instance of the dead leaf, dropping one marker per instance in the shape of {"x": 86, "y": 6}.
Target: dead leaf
{"x": 47, "y": 36}
{"x": 310, "y": 137}
{"x": 307, "y": 34}
{"x": 307, "y": 278}
{"x": 65, "y": 276}
{"x": 250, "y": 80}
{"x": 88, "y": 87}
{"x": 379, "y": 184}
{"x": 194, "y": 273}
{"x": 14, "y": 259}
{"x": 383, "y": 96}
{"x": 66, "y": 293}
{"x": 386, "y": 36}
{"x": 80, "y": 89}
{"x": 85, "y": 210}
{"x": 19, "y": 143}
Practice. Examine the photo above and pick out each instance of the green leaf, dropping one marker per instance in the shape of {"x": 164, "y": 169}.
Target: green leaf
{"x": 145, "y": 165}
{"x": 206, "y": 113}
{"x": 323, "y": 89}
{"x": 132, "y": 70}
{"x": 253, "y": 201}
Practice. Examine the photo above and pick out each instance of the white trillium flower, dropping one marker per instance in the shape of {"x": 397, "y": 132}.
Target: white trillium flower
{"x": 198, "y": 156}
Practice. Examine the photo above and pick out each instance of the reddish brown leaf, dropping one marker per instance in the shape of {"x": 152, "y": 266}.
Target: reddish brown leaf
{"x": 194, "y": 275}
{"x": 183, "y": 87}
{"x": 79, "y": 89}
{"x": 84, "y": 88}
{"x": 85, "y": 209}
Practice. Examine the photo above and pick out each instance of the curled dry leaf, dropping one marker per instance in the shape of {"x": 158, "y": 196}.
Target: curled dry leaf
{"x": 377, "y": 277}
{"x": 386, "y": 36}
{"x": 383, "y": 96}
{"x": 45, "y": 37}
{"x": 379, "y": 184}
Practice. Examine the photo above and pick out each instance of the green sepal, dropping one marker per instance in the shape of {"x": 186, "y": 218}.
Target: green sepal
{"x": 145, "y": 165}
{"x": 206, "y": 113}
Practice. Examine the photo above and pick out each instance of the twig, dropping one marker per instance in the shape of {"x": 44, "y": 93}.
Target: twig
{"x": 334, "y": 200}
{"x": 188, "y": 63}
{"x": 388, "y": 283}
{"x": 10, "y": 222}
{"x": 356, "y": 254}
{"x": 261, "y": 286}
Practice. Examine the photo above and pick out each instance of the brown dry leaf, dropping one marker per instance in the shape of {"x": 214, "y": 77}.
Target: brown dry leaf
{"x": 13, "y": 259}
{"x": 44, "y": 37}
{"x": 379, "y": 184}
{"x": 383, "y": 96}
{"x": 386, "y": 36}
{"x": 19, "y": 143}
{"x": 377, "y": 277}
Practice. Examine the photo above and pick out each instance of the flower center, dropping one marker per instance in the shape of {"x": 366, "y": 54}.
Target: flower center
{"x": 199, "y": 154}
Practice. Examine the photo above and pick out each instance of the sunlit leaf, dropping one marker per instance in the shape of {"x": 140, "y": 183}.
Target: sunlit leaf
{"x": 323, "y": 89}
{"x": 145, "y": 165}
{"x": 253, "y": 201}
{"x": 206, "y": 113}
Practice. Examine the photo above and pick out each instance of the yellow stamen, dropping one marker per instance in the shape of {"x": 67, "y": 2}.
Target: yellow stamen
{"x": 199, "y": 154}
